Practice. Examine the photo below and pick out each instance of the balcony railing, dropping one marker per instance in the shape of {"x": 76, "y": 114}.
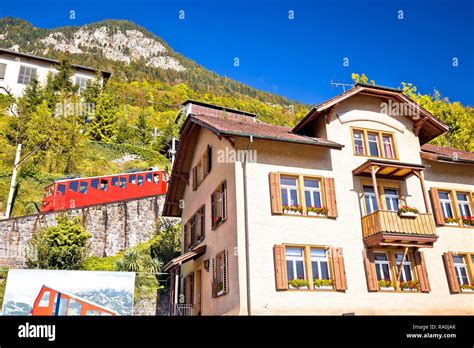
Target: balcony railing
{"x": 384, "y": 227}
{"x": 184, "y": 309}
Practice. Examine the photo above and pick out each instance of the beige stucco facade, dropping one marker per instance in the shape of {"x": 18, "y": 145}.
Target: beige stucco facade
{"x": 250, "y": 252}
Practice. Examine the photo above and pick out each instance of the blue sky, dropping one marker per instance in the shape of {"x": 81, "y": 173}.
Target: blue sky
{"x": 298, "y": 58}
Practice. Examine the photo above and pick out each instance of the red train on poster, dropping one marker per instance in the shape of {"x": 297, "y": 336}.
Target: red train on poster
{"x": 82, "y": 192}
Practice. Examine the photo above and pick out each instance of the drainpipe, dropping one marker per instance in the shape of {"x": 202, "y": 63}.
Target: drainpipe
{"x": 247, "y": 252}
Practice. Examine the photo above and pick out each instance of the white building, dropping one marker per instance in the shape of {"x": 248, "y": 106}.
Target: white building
{"x": 18, "y": 69}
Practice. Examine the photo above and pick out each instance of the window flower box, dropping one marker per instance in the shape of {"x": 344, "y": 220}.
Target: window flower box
{"x": 406, "y": 211}
{"x": 323, "y": 284}
{"x": 299, "y": 284}
{"x": 451, "y": 221}
{"x": 386, "y": 285}
{"x": 293, "y": 209}
{"x": 317, "y": 211}
{"x": 467, "y": 288}
{"x": 468, "y": 221}
{"x": 410, "y": 286}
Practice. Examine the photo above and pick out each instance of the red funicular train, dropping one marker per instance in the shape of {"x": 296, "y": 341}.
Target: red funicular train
{"x": 82, "y": 192}
{"x": 54, "y": 302}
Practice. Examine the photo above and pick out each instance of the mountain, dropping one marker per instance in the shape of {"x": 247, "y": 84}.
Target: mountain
{"x": 126, "y": 49}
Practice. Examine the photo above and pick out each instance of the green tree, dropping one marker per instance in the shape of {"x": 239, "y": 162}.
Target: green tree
{"x": 103, "y": 126}
{"x": 142, "y": 129}
{"x": 168, "y": 244}
{"x": 59, "y": 247}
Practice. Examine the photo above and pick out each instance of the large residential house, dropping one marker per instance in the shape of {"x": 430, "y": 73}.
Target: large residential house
{"x": 18, "y": 69}
{"x": 350, "y": 212}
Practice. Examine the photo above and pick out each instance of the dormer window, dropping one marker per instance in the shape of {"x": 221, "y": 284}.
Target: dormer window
{"x": 373, "y": 143}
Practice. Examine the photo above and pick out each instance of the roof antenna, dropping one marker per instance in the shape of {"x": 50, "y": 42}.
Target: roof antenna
{"x": 343, "y": 85}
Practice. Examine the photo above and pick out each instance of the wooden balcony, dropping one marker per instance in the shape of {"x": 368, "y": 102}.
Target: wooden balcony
{"x": 387, "y": 228}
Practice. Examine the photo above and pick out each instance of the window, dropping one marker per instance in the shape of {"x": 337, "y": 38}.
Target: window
{"x": 81, "y": 82}
{"x": 219, "y": 205}
{"x": 220, "y": 269}
{"x": 3, "y": 68}
{"x": 95, "y": 183}
{"x": 382, "y": 266}
{"x": 73, "y": 186}
{"x": 83, "y": 187}
{"x": 387, "y": 146}
{"x": 289, "y": 191}
{"x": 370, "y": 200}
{"x": 359, "y": 143}
{"x": 148, "y": 177}
{"x": 63, "y": 303}
{"x": 295, "y": 263}
{"x": 123, "y": 182}
{"x": 75, "y": 307}
{"x": 461, "y": 270}
{"x": 132, "y": 179}
{"x": 464, "y": 204}
{"x": 202, "y": 168}
{"x": 61, "y": 189}
{"x": 407, "y": 273}
{"x": 319, "y": 264}
{"x": 44, "y": 302}
{"x": 156, "y": 178}
{"x": 312, "y": 193}
{"x": 27, "y": 74}
{"x": 194, "y": 230}
{"x": 140, "y": 180}
{"x": 115, "y": 181}
{"x": 373, "y": 141}
{"x": 391, "y": 199}
{"x": 104, "y": 184}
{"x": 446, "y": 206}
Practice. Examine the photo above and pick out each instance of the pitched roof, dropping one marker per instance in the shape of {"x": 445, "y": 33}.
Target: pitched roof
{"x": 259, "y": 130}
{"x": 429, "y": 126}
{"x": 105, "y": 74}
{"x": 446, "y": 154}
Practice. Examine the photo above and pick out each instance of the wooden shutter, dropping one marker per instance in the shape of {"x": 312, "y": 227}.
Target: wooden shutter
{"x": 330, "y": 195}
{"x": 224, "y": 200}
{"x": 437, "y": 211}
{"x": 214, "y": 278}
{"x": 213, "y": 209}
{"x": 185, "y": 289}
{"x": 371, "y": 274}
{"x": 281, "y": 278}
{"x": 338, "y": 269}
{"x": 209, "y": 158}
{"x": 451, "y": 272}
{"x": 203, "y": 222}
{"x": 422, "y": 272}
{"x": 185, "y": 236}
{"x": 275, "y": 193}
{"x": 205, "y": 164}
{"x": 226, "y": 272}
{"x": 194, "y": 174}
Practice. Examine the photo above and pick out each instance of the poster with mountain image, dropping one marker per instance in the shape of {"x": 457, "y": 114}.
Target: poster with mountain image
{"x": 50, "y": 292}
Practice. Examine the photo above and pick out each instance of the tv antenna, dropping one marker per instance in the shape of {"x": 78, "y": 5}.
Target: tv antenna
{"x": 343, "y": 85}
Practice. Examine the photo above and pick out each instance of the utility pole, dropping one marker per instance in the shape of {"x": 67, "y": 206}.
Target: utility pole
{"x": 13, "y": 182}
{"x": 172, "y": 151}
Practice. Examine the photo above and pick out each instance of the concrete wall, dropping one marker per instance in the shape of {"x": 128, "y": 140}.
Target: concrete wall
{"x": 114, "y": 227}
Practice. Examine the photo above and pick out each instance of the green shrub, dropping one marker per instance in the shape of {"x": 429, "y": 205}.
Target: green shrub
{"x": 59, "y": 247}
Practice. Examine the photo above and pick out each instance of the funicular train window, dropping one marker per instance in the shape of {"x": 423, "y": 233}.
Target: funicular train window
{"x": 103, "y": 185}
{"x": 44, "y": 302}
{"x": 132, "y": 179}
{"x": 123, "y": 182}
{"x": 156, "y": 178}
{"x": 95, "y": 183}
{"x": 74, "y": 308}
{"x": 62, "y": 189}
{"x": 148, "y": 177}
{"x": 140, "y": 180}
{"x": 115, "y": 181}
{"x": 83, "y": 187}
{"x": 73, "y": 186}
